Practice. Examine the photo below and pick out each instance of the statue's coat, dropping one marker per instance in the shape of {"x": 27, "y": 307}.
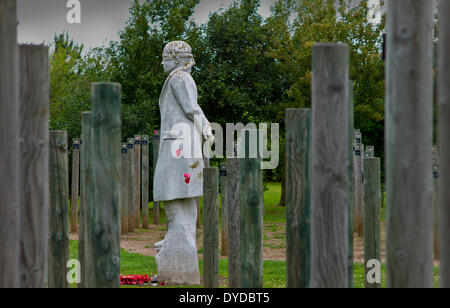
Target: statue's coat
{"x": 178, "y": 177}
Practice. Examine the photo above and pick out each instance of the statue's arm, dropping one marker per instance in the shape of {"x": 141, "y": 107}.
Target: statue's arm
{"x": 185, "y": 95}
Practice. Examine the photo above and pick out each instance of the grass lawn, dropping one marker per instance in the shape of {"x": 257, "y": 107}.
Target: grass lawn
{"x": 274, "y": 232}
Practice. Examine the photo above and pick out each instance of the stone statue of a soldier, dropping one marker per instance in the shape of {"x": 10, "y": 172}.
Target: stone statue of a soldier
{"x": 178, "y": 179}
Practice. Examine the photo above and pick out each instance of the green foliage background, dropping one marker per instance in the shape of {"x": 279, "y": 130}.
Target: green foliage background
{"x": 249, "y": 68}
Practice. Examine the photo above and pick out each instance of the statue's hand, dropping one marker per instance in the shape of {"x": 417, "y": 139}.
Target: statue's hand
{"x": 207, "y": 133}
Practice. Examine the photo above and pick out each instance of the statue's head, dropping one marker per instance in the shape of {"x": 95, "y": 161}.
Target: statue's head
{"x": 177, "y": 54}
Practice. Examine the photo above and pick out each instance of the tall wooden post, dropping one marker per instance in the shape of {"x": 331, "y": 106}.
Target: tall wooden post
{"x": 372, "y": 215}
{"x": 75, "y": 186}
{"x": 351, "y": 186}
{"x": 9, "y": 138}
{"x": 131, "y": 194}
{"x": 104, "y": 210}
{"x": 34, "y": 166}
{"x": 197, "y": 202}
{"x": 435, "y": 158}
{"x": 330, "y": 159}
{"x": 251, "y": 219}
{"x": 224, "y": 204}
{"x": 234, "y": 223}
{"x": 144, "y": 182}
{"x": 369, "y": 152}
{"x": 444, "y": 142}
{"x": 408, "y": 115}
{"x": 137, "y": 179}
{"x": 155, "y": 160}
{"x": 85, "y": 185}
{"x": 358, "y": 184}
{"x": 298, "y": 197}
{"x": 211, "y": 228}
{"x": 58, "y": 252}
{"x": 124, "y": 188}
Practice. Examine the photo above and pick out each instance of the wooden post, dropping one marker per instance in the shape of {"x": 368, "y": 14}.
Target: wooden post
{"x": 131, "y": 194}
{"x": 234, "y": 223}
{"x": 408, "y": 117}
{"x": 444, "y": 142}
{"x": 124, "y": 188}
{"x": 369, "y": 152}
{"x": 137, "y": 179}
{"x": 104, "y": 211}
{"x": 85, "y": 184}
{"x": 251, "y": 219}
{"x": 224, "y": 204}
{"x": 197, "y": 201}
{"x": 298, "y": 197}
{"x": 330, "y": 159}
{"x": 155, "y": 160}
{"x": 211, "y": 228}
{"x": 144, "y": 182}
{"x": 435, "y": 158}
{"x": 372, "y": 215}
{"x": 58, "y": 253}
{"x": 351, "y": 201}
{"x": 75, "y": 186}
{"x": 34, "y": 166}
{"x": 358, "y": 185}
{"x": 9, "y": 138}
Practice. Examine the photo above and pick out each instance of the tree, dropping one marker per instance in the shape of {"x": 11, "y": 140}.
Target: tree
{"x": 71, "y": 75}
{"x": 331, "y": 21}
{"x": 136, "y": 59}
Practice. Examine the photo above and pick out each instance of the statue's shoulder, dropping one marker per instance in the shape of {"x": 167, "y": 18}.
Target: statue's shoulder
{"x": 181, "y": 77}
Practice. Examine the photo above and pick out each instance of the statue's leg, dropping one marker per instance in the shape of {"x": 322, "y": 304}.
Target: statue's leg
{"x": 177, "y": 259}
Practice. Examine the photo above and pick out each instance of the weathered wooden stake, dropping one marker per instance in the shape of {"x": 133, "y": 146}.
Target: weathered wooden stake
{"x": 372, "y": 215}
{"x": 298, "y": 197}
{"x": 444, "y": 142}
{"x": 75, "y": 186}
{"x": 58, "y": 252}
{"x": 351, "y": 201}
{"x": 435, "y": 158}
{"x": 234, "y": 223}
{"x": 124, "y": 188}
{"x": 369, "y": 152}
{"x": 104, "y": 211}
{"x": 211, "y": 228}
{"x": 137, "y": 180}
{"x": 224, "y": 208}
{"x": 358, "y": 185}
{"x": 85, "y": 184}
{"x": 131, "y": 194}
{"x": 197, "y": 202}
{"x": 155, "y": 160}
{"x": 144, "y": 182}
{"x": 34, "y": 166}
{"x": 9, "y": 138}
{"x": 330, "y": 159}
{"x": 408, "y": 114}
{"x": 251, "y": 219}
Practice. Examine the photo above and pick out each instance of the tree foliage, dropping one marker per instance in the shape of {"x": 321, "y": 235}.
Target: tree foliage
{"x": 71, "y": 75}
{"x": 248, "y": 68}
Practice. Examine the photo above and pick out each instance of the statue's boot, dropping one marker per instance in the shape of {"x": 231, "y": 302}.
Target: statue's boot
{"x": 177, "y": 259}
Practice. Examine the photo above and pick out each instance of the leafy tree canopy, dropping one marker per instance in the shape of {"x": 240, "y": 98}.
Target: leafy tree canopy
{"x": 248, "y": 68}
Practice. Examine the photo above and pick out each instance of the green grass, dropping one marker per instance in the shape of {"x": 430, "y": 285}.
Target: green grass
{"x": 136, "y": 264}
{"x": 274, "y": 272}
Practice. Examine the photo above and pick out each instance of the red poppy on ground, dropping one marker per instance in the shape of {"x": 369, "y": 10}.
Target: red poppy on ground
{"x": 135, "y": 279}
